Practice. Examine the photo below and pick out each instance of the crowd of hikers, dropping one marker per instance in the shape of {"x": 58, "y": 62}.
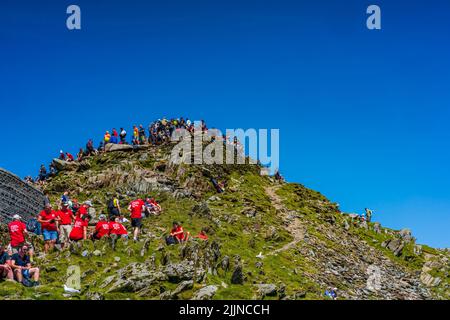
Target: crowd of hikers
{"x": 157, "y": 133}
{"x": 71, "y": 222}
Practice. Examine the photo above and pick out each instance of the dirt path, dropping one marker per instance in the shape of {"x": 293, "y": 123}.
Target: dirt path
{"x": 293, "y": 224}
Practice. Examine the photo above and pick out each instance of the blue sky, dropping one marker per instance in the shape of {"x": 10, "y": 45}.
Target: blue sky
{"x": 363, "y": 115}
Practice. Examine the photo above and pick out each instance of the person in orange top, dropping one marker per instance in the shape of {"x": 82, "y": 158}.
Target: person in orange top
{"x": 107, "y": 137}
{"x": 202, "y": 235}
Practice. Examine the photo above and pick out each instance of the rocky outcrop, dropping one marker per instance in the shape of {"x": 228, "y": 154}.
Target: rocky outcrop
{"x": 62, "y": 165}
{"x": 205, "y": 293}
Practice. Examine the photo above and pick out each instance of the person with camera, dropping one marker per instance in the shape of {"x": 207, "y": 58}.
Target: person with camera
{"x": 48, "y": 219}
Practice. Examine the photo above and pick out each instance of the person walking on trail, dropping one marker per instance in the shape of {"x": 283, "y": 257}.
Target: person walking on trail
{"x": 17, "y": 232}
{"x": 114, "y": 210}
{"x": 6, "y": 271}
{"x": 65, "y": 223}
{"x": 136, "y": 208}
{"x": 22, "y": 268}
{"x": 101, "y": 228}
{"x": 368, "y": 214}
{"x": 48, "y": 218}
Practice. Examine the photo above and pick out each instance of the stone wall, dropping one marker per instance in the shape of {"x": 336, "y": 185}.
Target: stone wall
{"x": 18, "y": 197}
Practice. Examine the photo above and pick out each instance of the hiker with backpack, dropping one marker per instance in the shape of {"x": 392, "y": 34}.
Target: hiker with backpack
{"x": 114, "y": 210}
{"x": 136, "y": 208}
{"x": 23, "y": 271}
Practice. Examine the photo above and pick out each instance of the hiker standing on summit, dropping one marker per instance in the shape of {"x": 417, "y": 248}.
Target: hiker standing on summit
{"x": 136, "y": 208}
{"x": 368, "y": 214}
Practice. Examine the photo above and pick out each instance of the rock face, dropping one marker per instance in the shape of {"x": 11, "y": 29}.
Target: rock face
{"x": 264, "y": 290}
{"x": 111, "y": 147}
{"x": 18, "y": 197}
{"x": 395, "y": 245}
{"x": 205, "y": 293}
{"x": 62, "y": 165}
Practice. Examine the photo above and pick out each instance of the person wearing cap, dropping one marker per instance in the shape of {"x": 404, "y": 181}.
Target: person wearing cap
{"x": 84, "y": 209}
{"x": 5, "y": 264}
{"x": 22, "y": 268}
{"x": 17, "y": 232}
{"x": 102, "y": 228}
{"x": 65, "y": 224}
{"x": 48, "y": 219}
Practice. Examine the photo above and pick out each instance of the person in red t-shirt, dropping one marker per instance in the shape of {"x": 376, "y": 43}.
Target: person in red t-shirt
{"x": 17, "y": 231}
{"x": 177, "y": 233}
{"x": 79, "y": 230}
{"x": 65, "y": 224}
{"x": 48, "y": 219}
{"x": 84, "y": 209}
{"x": 202, "y": 235}
{"x": 117, "y": 229}
{"x": 136, "y": 208}
{"x": 102, "y": 228}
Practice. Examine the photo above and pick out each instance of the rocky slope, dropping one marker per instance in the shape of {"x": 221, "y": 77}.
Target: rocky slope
{"x": 267, "y": 240}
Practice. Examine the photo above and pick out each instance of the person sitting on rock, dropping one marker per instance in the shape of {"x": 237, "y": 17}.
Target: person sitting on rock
{"x": 80, "y": 155}
{"x": 102, "y": 228}
{"x": 136, "y": 208}
{"x": 22, "y": 268}
{"x": 202, "y": 235}
{"x": 5, "y": 264}
{"x": 62, "y": 156}
{"x": 152, "y": 207}
{"x": 177, "y": 234}
{"x": 48, "y": 218}
{"x": 69, "y": 157}
{"x": 116, "y": 229}
{"x": 79, "y": 230}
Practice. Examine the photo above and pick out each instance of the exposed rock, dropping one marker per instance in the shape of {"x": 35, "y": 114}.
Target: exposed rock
{"x": 205, "y": 293}
{"x": 429, "y": 280}
{"x": 266, "y": 290}
{"x": 62, "y": 165}
{"x": 111, "y": 147}
{"x": 406, "y": 235}
{"x": 201, "y": 210}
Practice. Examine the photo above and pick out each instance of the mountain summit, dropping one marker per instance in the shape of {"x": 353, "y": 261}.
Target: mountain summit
{"x": 267, "y": 239}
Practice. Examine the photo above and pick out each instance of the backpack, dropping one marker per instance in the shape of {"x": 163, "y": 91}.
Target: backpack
{"x": 111, "y": 205}
{"x": 32, "y": 225}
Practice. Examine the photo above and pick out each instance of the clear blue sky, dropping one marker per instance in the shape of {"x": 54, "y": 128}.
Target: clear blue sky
{"x": 363, "y": 115}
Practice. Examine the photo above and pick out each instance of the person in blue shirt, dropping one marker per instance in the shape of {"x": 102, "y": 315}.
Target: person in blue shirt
{"x": 5, "y": 264}
{"x": 23, "y": 271}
